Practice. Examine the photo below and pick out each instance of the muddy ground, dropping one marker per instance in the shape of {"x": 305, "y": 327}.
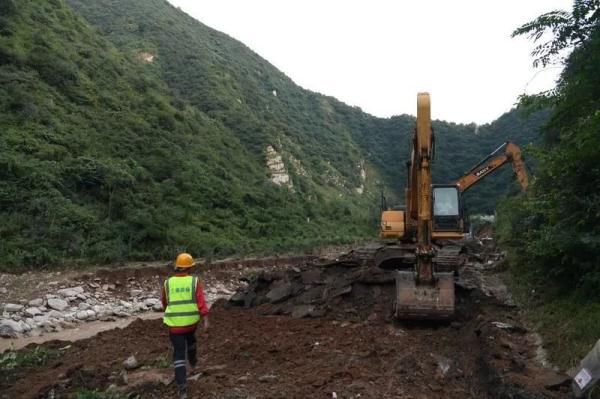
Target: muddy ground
{"x": 248, "y": 354}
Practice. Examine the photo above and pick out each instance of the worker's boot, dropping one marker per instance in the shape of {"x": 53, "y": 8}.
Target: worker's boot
{"x": 192, "y": 356}
{"x": 182, "y": 392}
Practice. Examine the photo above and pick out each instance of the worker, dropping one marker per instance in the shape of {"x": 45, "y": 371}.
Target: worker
{"x": 183, "y": 301}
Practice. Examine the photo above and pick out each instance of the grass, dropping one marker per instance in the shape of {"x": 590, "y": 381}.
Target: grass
{"x": 568, "y": 325}
{"x": 39, "y": 356}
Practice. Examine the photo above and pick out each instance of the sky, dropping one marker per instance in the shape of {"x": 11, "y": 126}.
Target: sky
{"x": 378, "y": 54}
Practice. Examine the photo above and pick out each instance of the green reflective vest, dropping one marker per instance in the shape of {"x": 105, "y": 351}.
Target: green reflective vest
{"x": 182, "y": 309}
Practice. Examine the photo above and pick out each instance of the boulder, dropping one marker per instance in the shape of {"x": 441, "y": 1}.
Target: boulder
{"x": 84, "y": 306}
{"x": 151, "y": 302}
{"x": 302, "y": 311}
{"x": 57, "y": 304}
{"x": 32, "y": 312}
{"x": 126, "y": 304}
{"x": 55, "y": 314}
{"x": 280, "y": 293}
{"x": 12, "y": 307}
{"x": 70, "y": 292}
{"x": 82, "y": 315}
{"x": 131, "y": 363}
{"x": 36, "y": 302}
{"x": 10, "y": 328}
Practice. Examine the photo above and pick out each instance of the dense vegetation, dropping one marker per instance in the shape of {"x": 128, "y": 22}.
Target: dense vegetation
{"x": 107, "y": 155}
{"x": 554, "y": 233}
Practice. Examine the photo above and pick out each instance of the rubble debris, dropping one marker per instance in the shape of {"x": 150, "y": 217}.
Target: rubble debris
{"x": 509, "y": 327}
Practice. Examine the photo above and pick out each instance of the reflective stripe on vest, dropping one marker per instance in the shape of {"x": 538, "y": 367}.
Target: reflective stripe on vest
{"x": 182, "y": 309}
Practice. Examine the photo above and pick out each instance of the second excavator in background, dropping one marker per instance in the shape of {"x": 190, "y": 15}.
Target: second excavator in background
{"x": 508, "y": 152}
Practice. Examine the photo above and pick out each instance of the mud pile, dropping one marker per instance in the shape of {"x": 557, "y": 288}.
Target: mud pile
{"x": 339, "y": 290}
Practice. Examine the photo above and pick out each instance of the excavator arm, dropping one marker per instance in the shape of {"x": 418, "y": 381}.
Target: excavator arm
{"x": 507, "y": 153}
{"x": 423, "y": 293}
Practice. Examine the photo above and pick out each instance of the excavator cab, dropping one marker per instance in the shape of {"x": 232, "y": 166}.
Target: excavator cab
{"x": 447, "y": 209}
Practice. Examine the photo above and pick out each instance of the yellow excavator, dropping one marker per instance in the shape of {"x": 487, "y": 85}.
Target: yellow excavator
{"x": 414, "y": 235}
{"x": 420, "y": 241}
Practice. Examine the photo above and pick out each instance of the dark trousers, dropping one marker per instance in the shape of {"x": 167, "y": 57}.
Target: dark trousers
{"x": 183, "y": 344}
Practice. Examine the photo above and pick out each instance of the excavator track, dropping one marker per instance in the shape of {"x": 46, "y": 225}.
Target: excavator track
{"x": 449, "y": 258}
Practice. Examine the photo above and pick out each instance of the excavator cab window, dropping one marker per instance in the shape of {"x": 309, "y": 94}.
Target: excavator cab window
{"x": 447, "y": 208}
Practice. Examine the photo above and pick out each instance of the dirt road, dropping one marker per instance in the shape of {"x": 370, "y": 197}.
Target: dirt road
{"x": 484, "y": 353}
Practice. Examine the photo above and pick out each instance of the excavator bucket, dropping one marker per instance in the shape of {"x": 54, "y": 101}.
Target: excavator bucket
{"x": 424, "y": 301}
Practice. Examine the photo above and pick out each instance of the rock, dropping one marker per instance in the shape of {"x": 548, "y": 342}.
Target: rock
{"x": 57, "y": 304}
{"x": 120, "y": 312}
{"x": 32, "y": 312}
{"x": 35, "y": 332}
{"x": 212, "y": 369}
{"x": 131, "y": 363}
{"x": 70, "y": 292}
{"x": 157, "y": 307}
{"x": 267, "y": 378}
{"x": 84, "y": 306}
{"x": 151, "y": 302}
{"x": 10, "y": 328}
{"x": 81, "y": 296}
{"x": 3, "y": 290}
{"x": 280, "y": 293}
{"x": 135, "y": 293}
{"x": 126, "y": 304}
{"x": 311, "y": 276}
{"x": 15, "y": 317}
{"x": 25, "y": 326}
{"x": 82, "y": 315}
{"x": 302, "y": 311}
{"x": 509, "y": 327}
{"x": 94, "y": 285}
{"x": 65, "y": 324}
{"x": 339, "y": 292}
{"x": 98, "y": 308}
{"x": 242, "y": 298}
{"x": 149, "y": 378}
{"x": 36, "y": 302}
{"x": 55, "y": 314}
{"x": 12, "y": 307}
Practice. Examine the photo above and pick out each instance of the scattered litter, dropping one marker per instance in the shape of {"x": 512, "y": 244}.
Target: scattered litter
{"x": 509, "y": 327}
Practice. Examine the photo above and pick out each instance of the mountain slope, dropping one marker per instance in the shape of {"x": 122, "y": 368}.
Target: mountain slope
{"x": 99, "y": 161}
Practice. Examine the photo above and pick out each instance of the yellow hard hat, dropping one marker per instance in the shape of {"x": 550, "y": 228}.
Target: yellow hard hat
{"x": 184, "y": 261}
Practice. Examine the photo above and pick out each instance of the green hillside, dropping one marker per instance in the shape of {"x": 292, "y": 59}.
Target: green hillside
{"x": 230, "y": 82}
{"x": 151, "y": 132}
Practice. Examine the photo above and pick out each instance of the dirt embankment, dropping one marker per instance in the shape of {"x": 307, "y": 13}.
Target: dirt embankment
{"x": 313, "y": 337}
